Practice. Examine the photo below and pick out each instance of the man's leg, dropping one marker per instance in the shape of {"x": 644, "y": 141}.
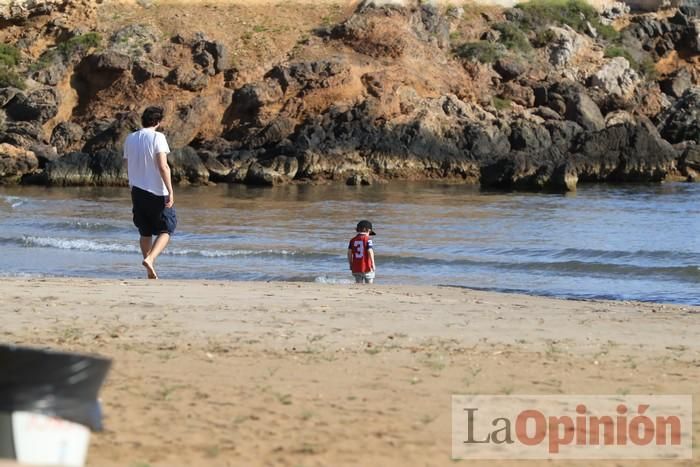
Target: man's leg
{"x": 157, "y": 248}
{"x": 146, "y": 243}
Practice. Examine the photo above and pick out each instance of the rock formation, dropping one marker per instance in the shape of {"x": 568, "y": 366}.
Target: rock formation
{"x": 387, "y": 93}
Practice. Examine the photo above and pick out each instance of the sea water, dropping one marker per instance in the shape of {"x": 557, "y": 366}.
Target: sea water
{"x": 627, "y": 242}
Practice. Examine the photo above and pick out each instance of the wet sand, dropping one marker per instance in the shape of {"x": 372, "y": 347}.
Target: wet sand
{"x": 224, "y": 373}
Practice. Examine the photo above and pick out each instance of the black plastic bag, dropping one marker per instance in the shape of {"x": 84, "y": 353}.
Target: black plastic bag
{"x": 57, "y": 384}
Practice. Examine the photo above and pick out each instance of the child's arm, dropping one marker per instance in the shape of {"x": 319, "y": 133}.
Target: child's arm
{"x": 371, "y": 257}
{"x": 350, "y": 258}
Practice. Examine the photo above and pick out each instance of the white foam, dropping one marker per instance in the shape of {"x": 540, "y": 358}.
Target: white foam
{"x": 332, "y": 280}
{"x": 77, "y": 244}
{"x": 228, "y": 253}
{"x": 89, "y": 245}
{"x": 21, "y": 275}
{"x": 14, "y": 201}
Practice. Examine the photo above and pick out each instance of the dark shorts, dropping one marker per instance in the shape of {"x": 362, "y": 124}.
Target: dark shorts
{"x": 151, "y": 216}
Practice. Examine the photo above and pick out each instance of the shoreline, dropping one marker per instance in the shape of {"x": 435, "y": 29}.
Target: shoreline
{"x": 564, "y": 297}
{"x": 301, "y": 373}
{"x": 349, "y": 282}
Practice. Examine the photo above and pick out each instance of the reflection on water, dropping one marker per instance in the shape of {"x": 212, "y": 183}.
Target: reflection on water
{"x": 631, "y": 241}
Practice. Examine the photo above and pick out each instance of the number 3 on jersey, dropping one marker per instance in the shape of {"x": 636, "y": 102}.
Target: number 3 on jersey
{"x": 359, "y": 249}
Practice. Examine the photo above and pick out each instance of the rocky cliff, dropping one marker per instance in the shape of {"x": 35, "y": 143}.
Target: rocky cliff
{"x": 538, "y": 97}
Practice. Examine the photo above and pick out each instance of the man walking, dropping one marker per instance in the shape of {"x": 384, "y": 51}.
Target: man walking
{"x": 152, "y": 196}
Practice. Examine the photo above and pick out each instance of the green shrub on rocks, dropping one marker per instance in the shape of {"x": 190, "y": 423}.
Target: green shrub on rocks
{"x": 65, "y": 50}
{"x": 501, "y": 104}
{"x": 481, "y": 51}
{"x": 84, "y": 42}
{"x": 541, "y": 13}
{"x": 538, "y": 14}
{"x": 607, "y": 32}
{"x": 543, "y": 38}
{"x": 9, "y": 59}
{"x": 645, "y": 67}
{"x": 10, "y": 78}
{"x": 9, "y": 55}
{"x": 135, "y": 39}
{"x": 619, "y": 51}
{"x": 512, "y": 37}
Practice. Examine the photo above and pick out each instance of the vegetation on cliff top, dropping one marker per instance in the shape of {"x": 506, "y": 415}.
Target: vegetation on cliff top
{"x": 528, "y": 25}
{"x": 577, "y": 14}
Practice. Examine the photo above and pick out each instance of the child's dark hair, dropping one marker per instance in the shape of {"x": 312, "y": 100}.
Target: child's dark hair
{"x": 365, "y": 226}
{"x": 152, "y": 116}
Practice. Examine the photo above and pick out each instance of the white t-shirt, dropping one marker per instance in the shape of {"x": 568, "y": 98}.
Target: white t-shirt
{"x": 140, "y": 150}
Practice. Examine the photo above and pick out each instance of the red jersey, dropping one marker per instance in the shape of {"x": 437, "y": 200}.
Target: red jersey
{"x": 360, "y": 246}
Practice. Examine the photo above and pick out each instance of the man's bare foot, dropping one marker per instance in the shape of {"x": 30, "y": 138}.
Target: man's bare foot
{"x": 149, "y": 268}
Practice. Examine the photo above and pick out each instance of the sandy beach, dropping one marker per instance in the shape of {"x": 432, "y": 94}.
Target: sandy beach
{"x": 224, "y": 373}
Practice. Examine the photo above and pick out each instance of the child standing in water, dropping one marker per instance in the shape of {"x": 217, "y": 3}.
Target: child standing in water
{"x": 361, "y": 254}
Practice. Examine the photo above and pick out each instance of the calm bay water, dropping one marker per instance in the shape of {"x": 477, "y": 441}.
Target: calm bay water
{"x": 636, "y": 242}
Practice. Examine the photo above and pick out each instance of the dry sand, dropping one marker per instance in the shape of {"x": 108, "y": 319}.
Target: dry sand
{"x": 222, "y": 373}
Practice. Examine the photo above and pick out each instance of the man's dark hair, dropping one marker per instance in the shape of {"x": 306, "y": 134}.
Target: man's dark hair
{"x": 152, "y": 116}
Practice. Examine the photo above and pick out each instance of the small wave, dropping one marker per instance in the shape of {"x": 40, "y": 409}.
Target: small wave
{"x": 686, "y": 299}
{"x": 664, "y": 255}
{"x": 21, "y": 275}
{"x": 14, "y": 201}
{"x": 595, "y": 268}
{"x": 230, "y": 253}
{"x": 589, "y": 254}
{"x": 263, "y": 253}
{"x": 82, "y": 226}
{"x": 110, "y": 247}
{"x": 76, "y": 244}
{"x": 573, "y": 267}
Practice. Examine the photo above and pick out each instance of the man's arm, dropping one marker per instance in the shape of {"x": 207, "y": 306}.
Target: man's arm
{"x": 164, "y": 169}
{"x": 350, "y": 258}
{"x": 125, "y": 156}
{"x": 371, "y": 257}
